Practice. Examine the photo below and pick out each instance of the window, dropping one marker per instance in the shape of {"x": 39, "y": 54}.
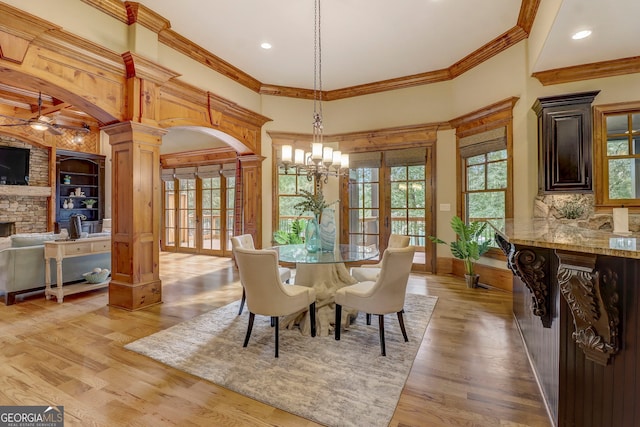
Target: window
{"x": 485, "y": 191}
{"x": 289, "y": 186}
{"x": 617, "y": 132}
{"x": 485, "y": 168}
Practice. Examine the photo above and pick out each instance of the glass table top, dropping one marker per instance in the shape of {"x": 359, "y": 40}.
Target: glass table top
{"x": 346, "y": 253}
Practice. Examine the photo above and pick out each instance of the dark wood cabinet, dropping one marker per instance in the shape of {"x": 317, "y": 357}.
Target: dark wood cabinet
{"x": 79, "y": 181}
{"x": 565, "y": 142}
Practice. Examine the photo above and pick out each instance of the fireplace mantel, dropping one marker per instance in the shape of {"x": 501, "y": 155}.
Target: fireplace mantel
{"x": 25, "y": 191}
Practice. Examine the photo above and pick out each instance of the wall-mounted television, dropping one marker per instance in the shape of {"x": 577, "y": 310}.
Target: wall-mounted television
{"x": 14, "y": 166}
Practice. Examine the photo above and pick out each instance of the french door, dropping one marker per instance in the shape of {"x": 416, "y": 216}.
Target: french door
{"x": 198, "y": 214}
{"x": 388, "y": 193}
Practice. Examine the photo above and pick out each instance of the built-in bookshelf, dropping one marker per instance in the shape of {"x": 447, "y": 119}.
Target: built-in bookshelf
{"x": 80, "y": 189}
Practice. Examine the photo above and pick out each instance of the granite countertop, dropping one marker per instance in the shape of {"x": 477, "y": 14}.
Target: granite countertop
{"x": 558, "y": 235}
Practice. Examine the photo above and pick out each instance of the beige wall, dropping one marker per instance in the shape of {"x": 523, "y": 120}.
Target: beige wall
{"x": 505, "y": 75}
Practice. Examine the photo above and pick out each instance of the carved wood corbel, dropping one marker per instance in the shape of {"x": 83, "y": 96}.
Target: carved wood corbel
{"x": 593, "y": 299}
{"x": 531, "y": 268}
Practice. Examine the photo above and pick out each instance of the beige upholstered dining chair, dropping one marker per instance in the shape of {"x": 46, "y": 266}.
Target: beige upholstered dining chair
{"x": 384, "y": 296}
{"x": 267, "y": 295}
{"x": 246, "y": 241}
{"x": 370, "y": 272}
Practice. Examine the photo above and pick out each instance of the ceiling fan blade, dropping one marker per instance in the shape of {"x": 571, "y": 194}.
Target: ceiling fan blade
{"x": 24, "y": 121}
{"x": 15, "y": 124}
{"x": 52, "y": 129}
{"x": 84, "y": 129}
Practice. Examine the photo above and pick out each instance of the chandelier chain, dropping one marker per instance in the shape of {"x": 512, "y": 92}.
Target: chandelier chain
{"x": 317, "y": 75}
{"x": 322, "y": 162}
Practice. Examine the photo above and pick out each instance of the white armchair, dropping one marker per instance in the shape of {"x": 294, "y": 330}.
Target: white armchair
{"x": 370, "y": 272}
{"x": 384, "y": 296}
{"x": 265, "y": 292}
{"x": 246, "y": 241}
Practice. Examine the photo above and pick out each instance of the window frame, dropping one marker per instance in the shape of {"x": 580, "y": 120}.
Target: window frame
{"x": 602, "y": 201}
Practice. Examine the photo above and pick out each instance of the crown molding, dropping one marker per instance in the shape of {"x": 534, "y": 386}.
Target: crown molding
{"x": 140, "y": 14}
{"x": 114, "y": 8}
{"x": 528, "y": 11}
{"x": 595, "y": 70}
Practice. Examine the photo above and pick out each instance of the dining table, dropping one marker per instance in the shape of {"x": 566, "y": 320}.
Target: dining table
{"x": 326, "y": 272}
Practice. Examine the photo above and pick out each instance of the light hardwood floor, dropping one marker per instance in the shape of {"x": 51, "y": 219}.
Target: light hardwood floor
{"x": 471, "y": 369}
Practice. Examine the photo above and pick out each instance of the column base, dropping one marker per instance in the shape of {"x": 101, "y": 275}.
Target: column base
{"x": 133, "y": 297}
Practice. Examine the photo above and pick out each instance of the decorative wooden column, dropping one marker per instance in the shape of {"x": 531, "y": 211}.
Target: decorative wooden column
{"x": 251, "y": 166}
{"x": 136, "y": 212}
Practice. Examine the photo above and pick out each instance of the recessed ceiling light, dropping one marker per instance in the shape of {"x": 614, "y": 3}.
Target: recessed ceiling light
{"x": 581, "y": 34}
{"x": 265, "y": 45}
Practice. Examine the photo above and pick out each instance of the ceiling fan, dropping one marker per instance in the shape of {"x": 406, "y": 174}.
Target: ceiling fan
{"x": 42, "y": 122}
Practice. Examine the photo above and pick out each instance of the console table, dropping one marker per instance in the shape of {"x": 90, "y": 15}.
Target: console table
{"x": 62, "y": 249}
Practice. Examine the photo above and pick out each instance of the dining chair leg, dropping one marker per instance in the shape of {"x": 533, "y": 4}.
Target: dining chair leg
{"x": 401, "y": 321}
{"x": 338, "y": 321}
{"x": 312, "y": 314}
{"x": 381, "y": 326}
{"x": 246, "y": 338}
{"x": 244, "y": 298}
{"x": 276, "y": 321}
{"x": 368, "y": 318}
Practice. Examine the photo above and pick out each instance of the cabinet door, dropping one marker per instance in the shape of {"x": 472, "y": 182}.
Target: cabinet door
{"x": 567, "y": 145}
{"x": 565, "y": 142}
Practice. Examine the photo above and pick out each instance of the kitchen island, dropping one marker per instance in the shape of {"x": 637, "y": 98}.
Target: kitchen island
{"x": 576, "y": 301}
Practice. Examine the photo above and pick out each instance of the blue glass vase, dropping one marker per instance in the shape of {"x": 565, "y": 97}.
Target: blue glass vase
{"x": 312, "y": 235}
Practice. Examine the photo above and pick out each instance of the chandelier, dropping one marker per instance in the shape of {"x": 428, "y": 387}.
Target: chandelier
{"x": 322, "y": 161}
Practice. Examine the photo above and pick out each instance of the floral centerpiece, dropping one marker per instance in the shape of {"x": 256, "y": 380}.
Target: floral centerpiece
{"x": 313, "y": 203}
{"x": 316, "y": 204}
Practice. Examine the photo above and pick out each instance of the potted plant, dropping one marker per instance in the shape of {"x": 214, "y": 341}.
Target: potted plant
{"x": 89, "y": 203}
{"x": 469, "y": 246}
{"x": 293, "y": 237}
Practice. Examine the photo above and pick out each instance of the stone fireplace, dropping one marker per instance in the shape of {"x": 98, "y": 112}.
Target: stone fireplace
{"x": 27, "y": 206}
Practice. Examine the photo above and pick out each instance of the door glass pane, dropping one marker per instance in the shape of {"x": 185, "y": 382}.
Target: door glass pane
{"x": 407, "y": 205}
{"x": 399, "y": 194}
{"x": 211, "y": 226}
{"x": 364, "y": 212}
{"x": 230, "y": 204}
{"x": 187, "y": 213}
{"x": 169, "y": 214}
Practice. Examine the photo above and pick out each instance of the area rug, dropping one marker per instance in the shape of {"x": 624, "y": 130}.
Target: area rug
{"x": 335, "y": 383}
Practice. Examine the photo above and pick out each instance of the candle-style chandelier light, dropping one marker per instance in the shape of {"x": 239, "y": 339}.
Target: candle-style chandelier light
{"x": 322, "y": 161}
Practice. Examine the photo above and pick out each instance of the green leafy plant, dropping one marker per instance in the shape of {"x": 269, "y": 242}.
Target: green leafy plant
{"x": 470, "y": 243}
{"x": 313, "y": 203}
{"x": 293, "y": 237}
{"x": 89, "y": 203}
